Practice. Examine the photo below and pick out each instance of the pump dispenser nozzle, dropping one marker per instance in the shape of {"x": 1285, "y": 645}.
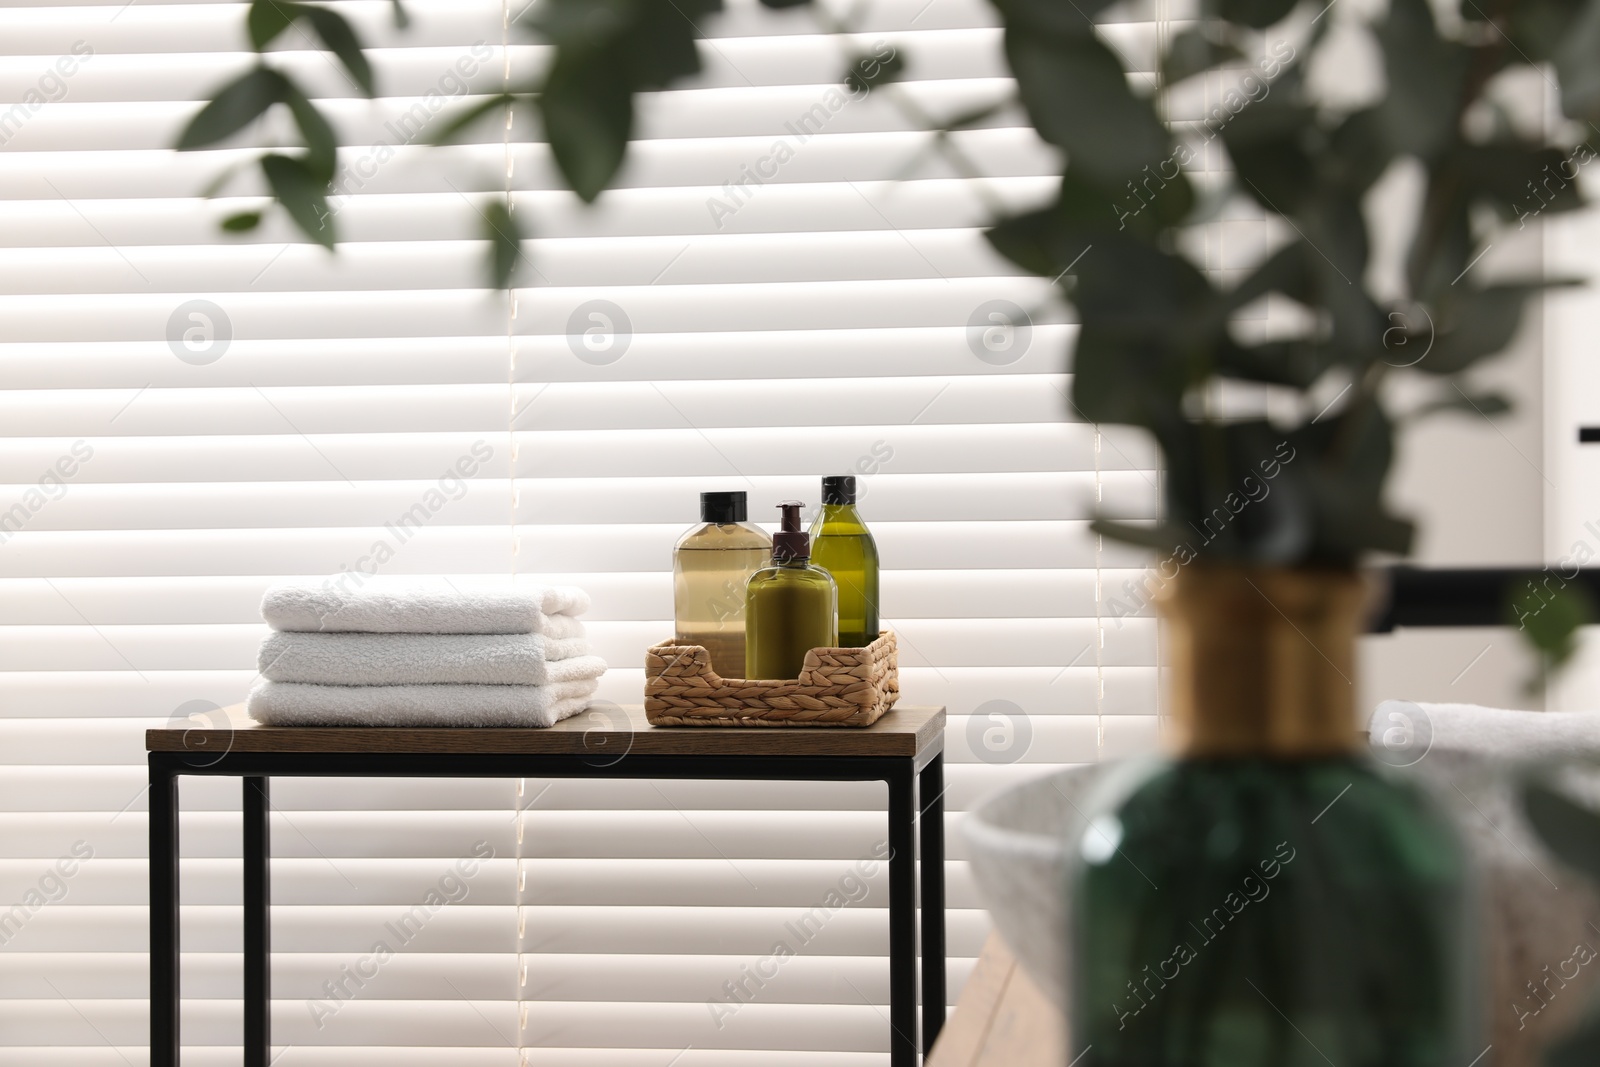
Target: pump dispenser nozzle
{"x": 791, "y": 544}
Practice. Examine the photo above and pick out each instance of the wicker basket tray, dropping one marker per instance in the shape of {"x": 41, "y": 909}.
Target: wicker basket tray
{"x": 836, "y": 687}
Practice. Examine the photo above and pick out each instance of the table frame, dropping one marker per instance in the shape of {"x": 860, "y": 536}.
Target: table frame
{"x": 916, "y": 793}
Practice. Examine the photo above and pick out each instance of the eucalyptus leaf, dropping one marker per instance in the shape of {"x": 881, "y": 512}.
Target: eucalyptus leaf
{"x": 1077, "y": 94}
{"x": 302, "y": 194}
{"x": 1297, "y": 364}
{"x": 321, "y": 144}
{"x": 1159, "y": 537}
{"x": 1257, "y": 14}
{"x": 242, "y": 222}
{"x": 867, "y": 72}
{"x": 1576, "y": 67}
{"x": 1472, "y": 324}
{"x": 1516, "y": 180}
{"x": 1266, "y": 143}
{"x": 504, "y": 234}
{"x": 268, "y": 18}
{"x": 340, "y": 39}
{"x": 240, "y": 103}
{"x": 1051, "y": 16}
{"x": 1286, "y": 271}
{"x": 1485, "y": 404}
{"x": 588, "y": 118}
{"x": 1194, "y": 52}
{"x": 1425, "y": 74}
{"x": 479, "y": 109}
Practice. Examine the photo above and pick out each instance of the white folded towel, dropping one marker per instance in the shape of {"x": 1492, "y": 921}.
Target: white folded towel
{"x": 319, "y": 607}
{"x": 300, "y": 704}
{"x": 426, "y": 659}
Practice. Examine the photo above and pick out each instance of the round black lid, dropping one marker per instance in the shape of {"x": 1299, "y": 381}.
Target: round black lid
{"x": 723, "y": 508}
{"x": 839, "y": 489}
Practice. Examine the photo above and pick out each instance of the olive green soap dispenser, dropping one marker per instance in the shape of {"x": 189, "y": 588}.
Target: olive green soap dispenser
{"x": 791, "y": 607}
{"x": 842, "y": 545}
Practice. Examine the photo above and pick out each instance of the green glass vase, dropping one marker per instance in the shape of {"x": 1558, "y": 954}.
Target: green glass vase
{"x": 1269, "y": 898}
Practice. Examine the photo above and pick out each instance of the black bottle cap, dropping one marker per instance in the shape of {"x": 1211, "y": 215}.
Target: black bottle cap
{"x": 839, "y": 489}
{"x": 723, "y": 508}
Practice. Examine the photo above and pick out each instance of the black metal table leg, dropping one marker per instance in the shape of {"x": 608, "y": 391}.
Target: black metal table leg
{"x": 163, "y": 917}
{"x": 902, "y": 918}
{"x": 257, "y": 923}
{"x": 930, "y": 799}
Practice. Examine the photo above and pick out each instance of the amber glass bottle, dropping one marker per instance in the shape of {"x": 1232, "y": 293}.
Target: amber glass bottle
{"x": 710, "y": 567}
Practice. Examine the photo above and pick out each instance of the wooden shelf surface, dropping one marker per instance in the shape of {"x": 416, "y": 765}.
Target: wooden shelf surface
{"x": 605, "y": 729}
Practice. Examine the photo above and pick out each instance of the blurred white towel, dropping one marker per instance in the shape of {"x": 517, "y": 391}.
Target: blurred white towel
{"x": 1412, "y": 729}
{"x": 299, "y": 704}
{"x": 318, "y": 607}
{"x": 426, "y": 659}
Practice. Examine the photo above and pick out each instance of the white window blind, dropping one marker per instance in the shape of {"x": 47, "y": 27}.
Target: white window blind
{"x": 786, "y": 283}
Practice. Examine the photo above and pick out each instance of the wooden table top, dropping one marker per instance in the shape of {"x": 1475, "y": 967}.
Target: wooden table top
{"x": 603, "y": 729}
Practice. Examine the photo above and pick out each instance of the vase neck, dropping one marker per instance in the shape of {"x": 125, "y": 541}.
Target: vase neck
{"x": 1263, "y": 660}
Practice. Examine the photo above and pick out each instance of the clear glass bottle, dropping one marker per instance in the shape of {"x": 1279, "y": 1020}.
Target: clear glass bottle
{"x": 710, "y": 566}
{"x": 1270, "y": 897}
{"x": 842, "y": 545}
{"x": 791, "y": 607}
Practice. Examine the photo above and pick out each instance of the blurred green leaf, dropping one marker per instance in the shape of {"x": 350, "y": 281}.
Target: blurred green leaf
{"x": 1549, "y": 617}
{"x": 242, "y": 222}
{"x": 402, "y": 18}
{"x": 1471, "y": 324}
{"x": 780, "y": 4}
{"x": 1257, "y": 14}
{"x": 235, "y": 107}
{"x": 588, "y": 117}
{"x": 1049, "y": 240}
{"x": 1078, "y": 97}
{"x": 1194, "y": 52}
{"x": 1535, "y": 29}
{"x": 1517, "y": 180}
{"x": 1577, "y": 67}
{"x": 1569, "y": 829}
{"x": 1286, "y": 271}
{"x": 337, "y": 33}
{"x": 470, "y": 116}
{"x": 321, "y": 144}
{"x": 1297, "y": 364}
{"x": 606, "y": 51}
{"x": 1486, "y": 404}
{"x": 1358, "y": 152}
{"x": 302, "y": 194}
{"x": 1425, "y": 74}
{"x": 1265, "y": 142}
{"x": 501, "y": 230}
{"x": 268, "y": 18}
{"x": 1051, "y": 16}
{"x": 1160, "y": 537}
{"x": 867, "y": 72}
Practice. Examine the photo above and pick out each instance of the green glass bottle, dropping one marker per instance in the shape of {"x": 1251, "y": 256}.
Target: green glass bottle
{"x": 791, "y": 607}
{"x": 1269, "y": 898}
{"x": 842, "y": 545}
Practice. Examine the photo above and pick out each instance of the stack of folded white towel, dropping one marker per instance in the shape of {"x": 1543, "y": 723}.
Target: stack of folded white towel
{"x": 424, "y": 656}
